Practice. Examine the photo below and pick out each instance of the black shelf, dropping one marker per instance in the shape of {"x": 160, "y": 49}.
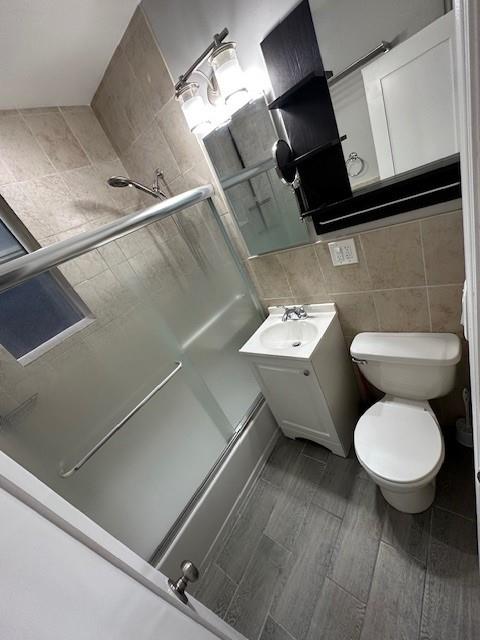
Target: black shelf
{"x": 309, "y": 81}
{"x": 428, "y": 185}
{"x": 313, "y": 152}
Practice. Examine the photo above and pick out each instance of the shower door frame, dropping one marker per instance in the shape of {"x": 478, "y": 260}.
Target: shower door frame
{"x": 467, "y": 27}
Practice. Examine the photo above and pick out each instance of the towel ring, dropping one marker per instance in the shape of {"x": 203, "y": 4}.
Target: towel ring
{"x": 355, "y": 164}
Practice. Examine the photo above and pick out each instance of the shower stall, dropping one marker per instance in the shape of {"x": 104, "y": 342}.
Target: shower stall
{"x": 131, "y": 417}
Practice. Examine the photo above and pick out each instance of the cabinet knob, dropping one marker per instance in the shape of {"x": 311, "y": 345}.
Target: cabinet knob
{"x": 306, "y": 372}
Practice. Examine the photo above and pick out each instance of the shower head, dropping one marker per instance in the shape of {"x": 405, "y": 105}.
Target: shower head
{"x": 121, "y": 181}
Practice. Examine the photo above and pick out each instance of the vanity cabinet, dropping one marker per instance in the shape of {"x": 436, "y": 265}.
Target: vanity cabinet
{"x": 312, "y": 395}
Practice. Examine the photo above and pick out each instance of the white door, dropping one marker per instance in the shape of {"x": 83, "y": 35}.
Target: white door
{"x": 62, "y": 576}
{"x": 411, "y": 99}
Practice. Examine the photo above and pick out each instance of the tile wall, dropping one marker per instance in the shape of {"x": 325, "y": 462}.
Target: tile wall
{"x": 409, "y": 276}
{"x": 136, "y": 106}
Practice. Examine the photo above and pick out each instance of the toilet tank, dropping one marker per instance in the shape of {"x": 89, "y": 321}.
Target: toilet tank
{"x": 418, "y": 366}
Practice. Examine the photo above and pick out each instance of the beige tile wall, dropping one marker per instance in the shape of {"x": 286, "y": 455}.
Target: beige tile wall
{"x": 409, "y": 277}
{"x": 136, "y": 106}
{"x": 55, "y": 164}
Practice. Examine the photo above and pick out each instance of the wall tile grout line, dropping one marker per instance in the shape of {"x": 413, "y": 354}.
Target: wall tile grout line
{"x": 365, "y": 291}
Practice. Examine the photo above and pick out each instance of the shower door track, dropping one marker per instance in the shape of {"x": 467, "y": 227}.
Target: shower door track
{"x": 174, "y": 530}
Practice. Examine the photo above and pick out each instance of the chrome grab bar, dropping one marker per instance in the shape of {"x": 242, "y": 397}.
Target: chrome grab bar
{"x": 32, "y": 264}
{"x": 66, "y": 473}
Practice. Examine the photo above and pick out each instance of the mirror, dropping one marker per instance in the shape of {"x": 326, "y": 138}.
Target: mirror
{"x": 265, "y": 209}
{"x": 392, "y": 86}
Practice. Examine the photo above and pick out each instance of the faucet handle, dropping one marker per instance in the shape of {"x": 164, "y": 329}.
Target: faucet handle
{"x": 301, "y": 312}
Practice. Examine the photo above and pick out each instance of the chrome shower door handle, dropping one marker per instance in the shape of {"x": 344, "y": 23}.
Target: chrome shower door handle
{"x": 190, "y": 573}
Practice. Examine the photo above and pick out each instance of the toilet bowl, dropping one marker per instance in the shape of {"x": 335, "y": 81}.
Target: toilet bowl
{"x": 398, "y": 440}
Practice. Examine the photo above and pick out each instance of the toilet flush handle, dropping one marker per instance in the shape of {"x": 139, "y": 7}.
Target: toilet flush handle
{"x": 358, "y": 361}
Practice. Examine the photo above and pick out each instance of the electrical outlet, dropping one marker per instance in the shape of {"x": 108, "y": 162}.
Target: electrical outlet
{"x": 343, "y": 252}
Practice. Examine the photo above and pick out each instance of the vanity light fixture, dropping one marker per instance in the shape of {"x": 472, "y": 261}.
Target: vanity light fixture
{"x": 226, "y": 89}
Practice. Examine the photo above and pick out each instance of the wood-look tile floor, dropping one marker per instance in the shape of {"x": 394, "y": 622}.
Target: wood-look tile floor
{"x": 317, "y": 554}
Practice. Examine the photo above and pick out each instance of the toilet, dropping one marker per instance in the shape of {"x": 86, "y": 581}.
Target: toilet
{"x": 398, "y": 440}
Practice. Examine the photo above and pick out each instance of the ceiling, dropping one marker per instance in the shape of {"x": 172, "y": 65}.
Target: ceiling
{"x": 54, "y": 52}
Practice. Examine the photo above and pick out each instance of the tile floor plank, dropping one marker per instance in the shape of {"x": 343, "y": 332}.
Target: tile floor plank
{"x": 250, "y": 605}
{"x": 296, "y": 597}
{"x": 293, "y": 502}
{"x": 451, "y": 607}
{"x": 282, "y": 457}
{"x": 215, "y": 590}
{"x": 242, "y": 541}
{"x": 314, "y": 450}
{"x": 273, "y": 631}
{"x": 336, "y": 484}
{"x": 337, "y": 616}
{"x": 356, "y": 550}
{"x": 408, "y": 531}
{"x": 395, "y": 603}
{"x": 456, "y": 481}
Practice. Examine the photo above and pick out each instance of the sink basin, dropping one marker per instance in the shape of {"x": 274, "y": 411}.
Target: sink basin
{"x": 284, "y": 335}
{"x": 294, "y": 338}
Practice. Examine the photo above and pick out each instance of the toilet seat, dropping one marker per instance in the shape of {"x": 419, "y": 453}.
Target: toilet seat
{"x": 399, "y": 441}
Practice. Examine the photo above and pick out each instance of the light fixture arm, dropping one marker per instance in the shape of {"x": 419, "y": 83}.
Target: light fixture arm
{"x": 216, "y": 41}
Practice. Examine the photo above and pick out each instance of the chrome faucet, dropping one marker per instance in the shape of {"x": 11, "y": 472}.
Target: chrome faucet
{"x": 294, "y": 313}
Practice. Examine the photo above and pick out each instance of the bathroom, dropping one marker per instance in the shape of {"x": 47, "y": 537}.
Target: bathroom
{"x": 196, "y": 334}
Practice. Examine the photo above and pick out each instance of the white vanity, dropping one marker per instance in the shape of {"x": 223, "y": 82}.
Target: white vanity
{"x": 305, "y": 373}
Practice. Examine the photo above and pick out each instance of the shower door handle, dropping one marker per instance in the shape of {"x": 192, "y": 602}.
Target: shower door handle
{"x": 190, "y": 573}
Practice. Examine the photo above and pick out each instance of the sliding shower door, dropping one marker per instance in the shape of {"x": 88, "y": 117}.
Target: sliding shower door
{"x": 169, "y": 311}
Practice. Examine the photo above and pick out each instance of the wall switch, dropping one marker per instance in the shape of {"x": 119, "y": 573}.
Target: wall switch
{"x": 343, "y": 252}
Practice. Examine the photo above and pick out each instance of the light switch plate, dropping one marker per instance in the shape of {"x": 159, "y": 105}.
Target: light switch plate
{"x": 343, "y": 252}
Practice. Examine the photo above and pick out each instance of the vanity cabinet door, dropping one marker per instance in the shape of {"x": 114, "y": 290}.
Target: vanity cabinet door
{"x": 296, "y": 400}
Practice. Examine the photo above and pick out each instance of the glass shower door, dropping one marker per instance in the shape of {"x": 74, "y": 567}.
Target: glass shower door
{"x": 170, "y": 293}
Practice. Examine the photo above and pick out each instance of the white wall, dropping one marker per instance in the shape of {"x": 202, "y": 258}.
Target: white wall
{"x": 55, "y": 51}
{"x": 185, "y": 27}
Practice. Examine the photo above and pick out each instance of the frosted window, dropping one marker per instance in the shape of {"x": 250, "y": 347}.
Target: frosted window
{"x": 34, "y": 312}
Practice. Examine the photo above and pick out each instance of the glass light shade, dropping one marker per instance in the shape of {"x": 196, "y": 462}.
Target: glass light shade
{"x": 195, "y": 110}
{"x": 229, "y": 76}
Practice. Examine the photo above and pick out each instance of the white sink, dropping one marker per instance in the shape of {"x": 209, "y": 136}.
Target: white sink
{"x": 293, "y": 338}
{"x": 288, "y": 334}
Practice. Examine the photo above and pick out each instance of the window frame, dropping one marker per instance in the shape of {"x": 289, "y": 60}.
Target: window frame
{"x": 25, "y": 238}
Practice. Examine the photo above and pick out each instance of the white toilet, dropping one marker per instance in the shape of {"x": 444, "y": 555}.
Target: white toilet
{"x": 398, "y": 440}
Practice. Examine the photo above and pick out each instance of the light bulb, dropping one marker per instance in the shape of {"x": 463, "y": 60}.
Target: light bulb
{"x": 229, "y": 76}
{"x": 194, "y": 109}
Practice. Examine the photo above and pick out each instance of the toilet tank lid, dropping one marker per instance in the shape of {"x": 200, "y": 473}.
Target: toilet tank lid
{"x": 439, "y": 349}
